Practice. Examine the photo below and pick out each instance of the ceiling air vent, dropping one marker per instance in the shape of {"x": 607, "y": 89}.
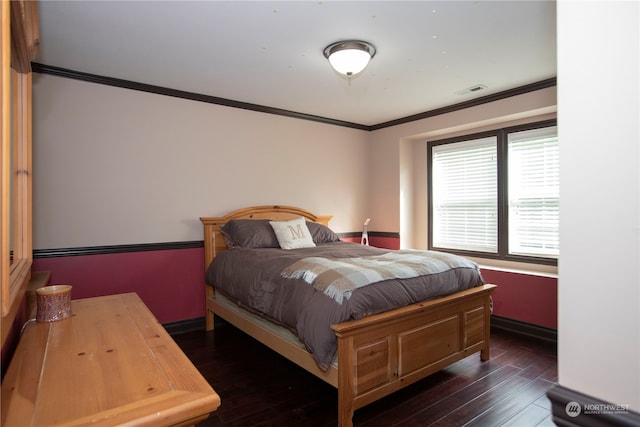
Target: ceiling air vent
{"x": 472, "y": 89}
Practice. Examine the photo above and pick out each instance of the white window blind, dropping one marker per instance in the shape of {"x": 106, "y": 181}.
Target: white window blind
{"x": 534, "y": 192}
{"x": 464, "y": 195}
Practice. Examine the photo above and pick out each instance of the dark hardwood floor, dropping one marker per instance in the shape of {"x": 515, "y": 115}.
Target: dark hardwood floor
{"x": 258, "y": 387}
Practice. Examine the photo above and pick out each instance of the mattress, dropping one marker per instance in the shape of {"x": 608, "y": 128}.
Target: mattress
{"x": 253, "y": 279}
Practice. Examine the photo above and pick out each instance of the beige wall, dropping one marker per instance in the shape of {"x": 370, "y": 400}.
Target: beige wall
{"x": 116, "y": 166}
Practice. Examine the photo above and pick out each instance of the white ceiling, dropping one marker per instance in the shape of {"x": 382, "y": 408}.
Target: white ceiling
{"x": 270, "y": 53}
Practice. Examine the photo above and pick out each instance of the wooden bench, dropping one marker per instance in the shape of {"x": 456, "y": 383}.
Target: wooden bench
{"x": 110, "y": 363}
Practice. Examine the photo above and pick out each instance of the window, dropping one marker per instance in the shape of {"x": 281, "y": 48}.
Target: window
{"x": 465, "y": 194}
{"x": 496, "y": 194}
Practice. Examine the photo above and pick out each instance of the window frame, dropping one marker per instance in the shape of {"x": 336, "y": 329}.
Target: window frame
{"x": 502, "y": 147}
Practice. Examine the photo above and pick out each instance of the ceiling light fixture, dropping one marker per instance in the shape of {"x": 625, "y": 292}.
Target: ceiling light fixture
{"x": 349, "y": 57}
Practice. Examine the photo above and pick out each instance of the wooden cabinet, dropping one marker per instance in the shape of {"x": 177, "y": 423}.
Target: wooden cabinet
{"x": 110, "y": 363}
{"x": 20, "y": 41}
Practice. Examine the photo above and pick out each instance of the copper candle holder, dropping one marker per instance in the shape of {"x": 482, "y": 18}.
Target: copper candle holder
{"x": 53, "y": 303}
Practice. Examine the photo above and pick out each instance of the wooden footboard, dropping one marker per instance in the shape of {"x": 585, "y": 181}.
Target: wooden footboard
{"x": 383, "y": 353}
{"x": 379, "y": 354}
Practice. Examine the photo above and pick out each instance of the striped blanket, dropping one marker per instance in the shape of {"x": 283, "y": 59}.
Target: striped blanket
{"x": 339, "y": 277}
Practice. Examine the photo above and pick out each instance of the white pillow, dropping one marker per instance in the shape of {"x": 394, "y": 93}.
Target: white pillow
{"x": 293, "y": 234}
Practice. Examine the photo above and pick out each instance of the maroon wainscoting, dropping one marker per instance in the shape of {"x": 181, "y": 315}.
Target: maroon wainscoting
{"x": 170, "y": 282}
{"x": 525, "y": 297}
{"x": 377, "y": 241}
{"x": 385, "y": 242}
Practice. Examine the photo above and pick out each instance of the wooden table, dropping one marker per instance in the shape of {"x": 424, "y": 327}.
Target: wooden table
{"x": 111, "y": 363}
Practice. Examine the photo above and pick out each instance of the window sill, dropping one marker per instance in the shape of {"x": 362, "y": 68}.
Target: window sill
{"x": 517, "y": 267}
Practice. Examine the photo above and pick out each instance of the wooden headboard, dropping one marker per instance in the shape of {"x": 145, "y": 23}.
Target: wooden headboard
{"x": 214, "y": 242}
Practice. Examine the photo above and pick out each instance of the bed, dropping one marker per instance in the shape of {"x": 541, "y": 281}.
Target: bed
{"x": 377, "y": 354}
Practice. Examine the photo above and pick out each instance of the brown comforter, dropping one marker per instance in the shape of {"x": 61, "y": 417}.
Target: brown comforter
{"x": 253, "y": 279}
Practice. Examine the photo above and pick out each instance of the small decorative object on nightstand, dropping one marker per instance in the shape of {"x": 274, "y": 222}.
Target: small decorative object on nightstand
{"x": 365, "y": 236}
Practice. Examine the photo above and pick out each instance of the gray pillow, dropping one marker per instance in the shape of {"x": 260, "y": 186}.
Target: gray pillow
{"x": 321, "y": 233}
{"x": 249, "y": 234}
{"x": 258, "y": 233}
